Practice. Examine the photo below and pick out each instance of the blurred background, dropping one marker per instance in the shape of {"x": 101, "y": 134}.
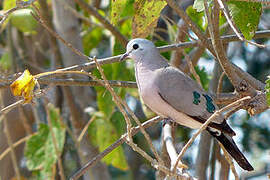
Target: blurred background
{"x": 25, "y": 44}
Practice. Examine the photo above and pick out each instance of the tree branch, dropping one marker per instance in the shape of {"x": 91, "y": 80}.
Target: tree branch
{"x": 120, "y": 104}
{"x": 117, "y": 143}
{"x": 202, "y": 39}
{"x": 213, "y": 26}
{"x": 77, "y": 82}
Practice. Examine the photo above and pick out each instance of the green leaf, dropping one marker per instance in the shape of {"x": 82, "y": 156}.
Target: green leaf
{"x": 110, "y": 124}
{"x": 267, "y": 89}
{"x": 24, "y": 21}
{"x": 117, "y": 8}
{"x": 103, "y": 133}
{"x": 40, "y": 150}
{"x": 92, "y": 38}
{"x": 146, "y": 15}
{"x": 246, "y": 16}
{"x": 5, "y": 61}
{"x": 106, "y": 135}
{"x": 204, "y": 77}
{"x": 8, "y": 4}
{"x": 197, "y": 17}
{"x": 126, "y": 21}
{"x": 199, "y": 5}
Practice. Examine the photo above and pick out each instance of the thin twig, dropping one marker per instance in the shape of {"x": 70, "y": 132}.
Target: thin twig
{"x": 92, "y": 11}
{"x": 191, "y": 68}
{"x": 176, "y": 58}
{"x": 188, "y": 21}
{"x": 220, "y": 81}
{"x": 12, "y": 151}
{"x": 77, "y": 14}
{"x": 203, "y": 41}
{"x": 42, "y": 22}
{"x": 57, "y": 60}
{"x": 116, "y": 100}
{"x": 213, "y": 26}
{"x": 9, "y": 141}
{"x": 117, "y": 143}
{"x": 211, "y": 118}
{"x": 113, "y": 59}
{"x": 224, "y": 8}
{"x": 195, "y": 55}
{"x": 79, "y": 82}
{"x": 119, "y": 100}
{"x": 22, "y": 140}
{"x": 8, "y": 108}
{"x": 85, "y": 128}
{"x": 19, "y": 5}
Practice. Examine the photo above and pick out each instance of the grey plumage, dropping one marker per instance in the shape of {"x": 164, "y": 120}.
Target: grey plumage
{"x": 172, "y": 94}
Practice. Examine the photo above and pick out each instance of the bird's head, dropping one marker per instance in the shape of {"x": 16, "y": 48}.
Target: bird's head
{"x": 137, "y": 48}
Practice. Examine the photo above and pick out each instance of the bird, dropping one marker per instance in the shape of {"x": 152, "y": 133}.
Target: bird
{"x": 172, "y": 94}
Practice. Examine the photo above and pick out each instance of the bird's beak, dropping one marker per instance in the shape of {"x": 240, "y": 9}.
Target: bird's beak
{"x": 124, "y": 56}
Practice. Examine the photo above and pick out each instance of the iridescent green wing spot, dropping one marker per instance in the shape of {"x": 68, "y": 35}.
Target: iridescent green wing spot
{"x": 196, "y": 97}
{"x": 209, "y": 103}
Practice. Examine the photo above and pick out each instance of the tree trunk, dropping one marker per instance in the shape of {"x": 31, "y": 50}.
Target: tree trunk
{"x": 67, "y": 26}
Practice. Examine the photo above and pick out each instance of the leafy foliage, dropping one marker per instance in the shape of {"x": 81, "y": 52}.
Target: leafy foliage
{"x": 246, "y": 16}
{"x": 5, "y": 61}
{"x": 110, "y": 124}
{"x": 40, "y": 151}
{"x": 197, "y": 16}
{"x": 117, "y": 8}
{"x": 146, "y": 15}
{"x": 199, "y": 5}
{"x": 21, "y": 19}
{"x": 8, "y": 4}
{"x": 204, "y": 77}
{"x": 24, "y": 21}
{"x": 139, "y": 16}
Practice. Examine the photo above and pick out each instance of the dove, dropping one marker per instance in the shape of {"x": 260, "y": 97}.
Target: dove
{"x": 172, "y": 94}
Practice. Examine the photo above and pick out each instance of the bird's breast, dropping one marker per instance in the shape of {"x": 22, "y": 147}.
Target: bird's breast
{"x": 145, "y": 80}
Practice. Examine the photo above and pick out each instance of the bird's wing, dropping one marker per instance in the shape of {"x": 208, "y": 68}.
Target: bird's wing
{"x": 185, "y": 95}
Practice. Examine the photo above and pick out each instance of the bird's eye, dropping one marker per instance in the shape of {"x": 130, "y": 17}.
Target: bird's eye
{"x": 135, "y": 46}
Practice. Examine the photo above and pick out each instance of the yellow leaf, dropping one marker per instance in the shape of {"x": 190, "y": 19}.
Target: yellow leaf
{"x": 24, "y": 86}
{"x": 146, "y": 16}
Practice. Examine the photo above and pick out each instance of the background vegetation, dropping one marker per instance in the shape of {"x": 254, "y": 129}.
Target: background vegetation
{"x": 67, "y": 115}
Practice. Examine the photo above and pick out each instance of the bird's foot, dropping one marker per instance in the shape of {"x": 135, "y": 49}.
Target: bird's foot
{"x": 167, "y": 121}
{"x": 182, "y": 165}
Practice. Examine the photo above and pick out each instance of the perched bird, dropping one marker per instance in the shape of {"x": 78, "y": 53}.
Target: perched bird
{"x": 171, "y": 94}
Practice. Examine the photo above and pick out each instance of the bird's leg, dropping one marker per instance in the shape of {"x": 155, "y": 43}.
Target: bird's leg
{"x": 168, "y": 120}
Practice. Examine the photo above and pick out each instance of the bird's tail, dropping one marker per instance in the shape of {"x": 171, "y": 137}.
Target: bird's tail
{"x": 232, "y": 149}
